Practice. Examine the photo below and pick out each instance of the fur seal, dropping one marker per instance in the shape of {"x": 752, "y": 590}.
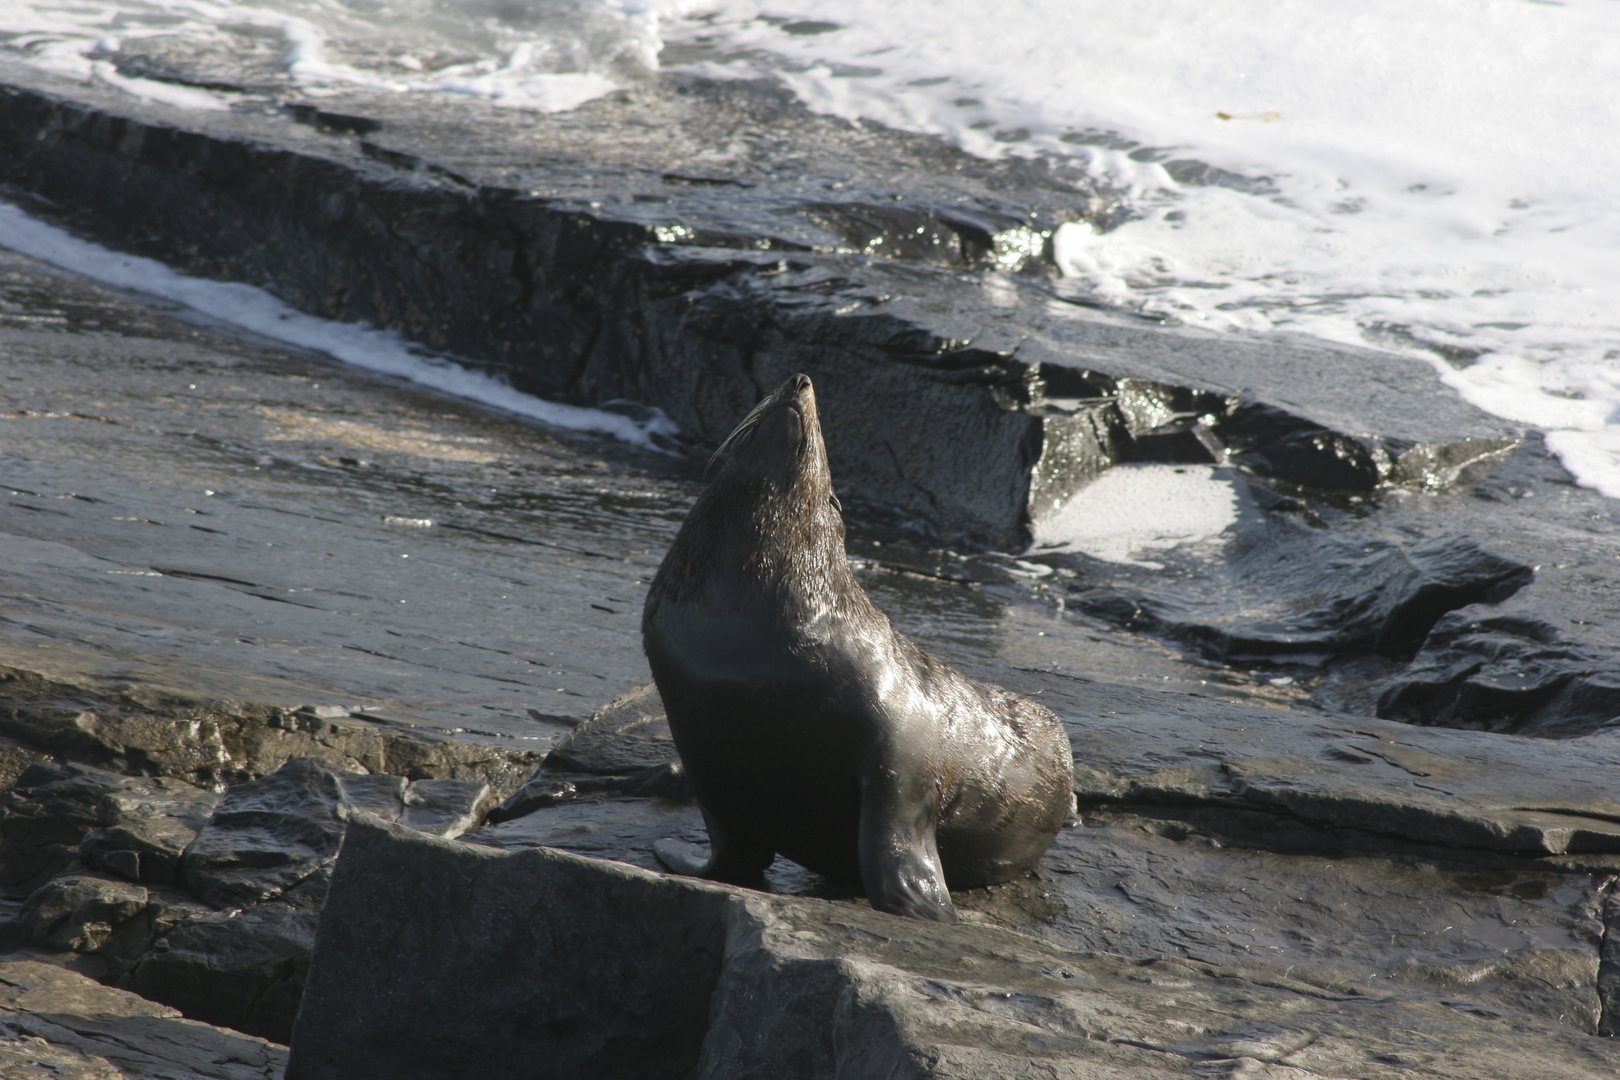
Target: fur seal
{"x": 807, "y": 725}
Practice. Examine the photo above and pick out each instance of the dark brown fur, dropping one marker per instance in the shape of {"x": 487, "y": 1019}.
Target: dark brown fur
{"x": 808, "y": 726}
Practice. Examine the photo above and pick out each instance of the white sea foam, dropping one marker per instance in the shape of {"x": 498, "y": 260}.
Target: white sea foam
{"x": 546, "y": 55}
{"x": 1133, "y": 510}
{"x": 257, "y": 311}
{"x": 1431, "y": 176}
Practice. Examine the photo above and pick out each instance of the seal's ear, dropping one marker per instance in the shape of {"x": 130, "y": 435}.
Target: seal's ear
{"x": 833, "y": 498}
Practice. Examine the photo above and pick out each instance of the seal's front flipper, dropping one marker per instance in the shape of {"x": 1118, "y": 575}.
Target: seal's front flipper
{"x": 726, "y": 860}
{"x": 900, "y": 862}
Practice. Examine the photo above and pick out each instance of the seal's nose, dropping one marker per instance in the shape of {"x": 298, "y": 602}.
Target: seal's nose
{"x": 799, "y": 383}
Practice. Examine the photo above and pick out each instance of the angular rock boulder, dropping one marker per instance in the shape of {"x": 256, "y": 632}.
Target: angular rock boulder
{"x": 625, "y": 747}
{"x": 480, "y": 963}
{"x": 437, "y": 958}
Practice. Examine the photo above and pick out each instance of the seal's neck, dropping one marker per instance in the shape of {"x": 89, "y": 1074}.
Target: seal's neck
{"x": 772, "y": 538}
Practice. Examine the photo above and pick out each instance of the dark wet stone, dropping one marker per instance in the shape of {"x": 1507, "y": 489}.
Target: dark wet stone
{"x": 45, "y": 817}
{"x": 211, "y": 743}
{"x": 625, "y": 747}
{"x": 627, "y": 735}
{"x": 595, "y": 989}
{"x": 146, "y": 827}
{"x": 61, "y": 1024}
{"x": 691, "y": 287}
{"x": 241, "y": 969}
{"x": 1462, "y": 790}
{"x": 269, "y": 834}
{"x": 1608, "y": 978}
{"x": 1332, "y": 597}
{"x": 83, "y": 913}
{"x": 1504, "y": 672}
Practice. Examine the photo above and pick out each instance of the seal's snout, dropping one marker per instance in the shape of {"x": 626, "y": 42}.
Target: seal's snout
{"x": 798, "y": 384}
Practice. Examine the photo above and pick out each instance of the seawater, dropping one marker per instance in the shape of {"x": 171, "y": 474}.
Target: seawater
{"x": 1431, "y": 177}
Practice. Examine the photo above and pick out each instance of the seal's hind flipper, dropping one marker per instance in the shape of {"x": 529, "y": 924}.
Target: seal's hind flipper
{"x": 899, "y": 860}
{"x": 726, "y": 860}
{"x": 679, "y": 857}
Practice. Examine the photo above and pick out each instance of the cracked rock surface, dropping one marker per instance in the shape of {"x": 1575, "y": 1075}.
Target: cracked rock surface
{"x": 227, "y": 937}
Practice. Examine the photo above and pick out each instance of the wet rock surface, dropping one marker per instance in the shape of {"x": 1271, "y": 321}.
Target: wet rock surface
{"x": 222, "y": 558}
{"x": 269, "y": 835}
{"x": 54, "y": 1022}
{"x": 625, "y": 747}
{"x": 798, "y": 987}
{"x": 1353, "y": 852}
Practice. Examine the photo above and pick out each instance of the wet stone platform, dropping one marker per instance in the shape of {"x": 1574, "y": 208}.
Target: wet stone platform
{"x": 227, "y": 562}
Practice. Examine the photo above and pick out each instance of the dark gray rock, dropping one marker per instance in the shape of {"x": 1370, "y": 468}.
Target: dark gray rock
{"x": 45, "y": 817}
{"x": 1318, "y": 597}
{"x": 146, "y": 827}
{"x": 1462, "y": 790}
{"x": 550, "y": 972}
{"x": 264, "y": 856}
{"x": 84, "y": 914}
{"x": 1500, "y": 671}
{"x": 211, "y": 743}
{"x": 749, "y": 984}
{"x": 625, "y": 747}
{"x": 1385, "y": 852}
{"x": 269, "y": 834}
{"x": 1608, "y": 979}
{"x": 243, "y": 968}
{"x": 629, "y": 734}
{"x": 54, "y": 1022}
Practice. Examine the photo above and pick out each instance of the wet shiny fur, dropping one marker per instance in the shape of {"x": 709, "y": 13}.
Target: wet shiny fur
{"x": 808, "y": 726}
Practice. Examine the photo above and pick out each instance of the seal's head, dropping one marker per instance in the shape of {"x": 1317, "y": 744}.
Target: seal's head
{"x": 768, "y": 517}
{"x": 779, "y": 442}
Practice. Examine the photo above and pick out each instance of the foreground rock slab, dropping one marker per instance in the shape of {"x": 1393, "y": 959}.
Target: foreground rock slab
{"x": 487, "y": 951}
{"x": 1450, "y": 864}
{"x": 54, "y": 1022}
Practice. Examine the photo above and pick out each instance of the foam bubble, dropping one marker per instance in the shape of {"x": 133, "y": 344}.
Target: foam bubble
{"x": 1131, "y": 510}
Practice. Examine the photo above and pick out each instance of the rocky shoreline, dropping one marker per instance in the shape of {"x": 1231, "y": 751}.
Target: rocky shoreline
{"x": 250, "y": 598}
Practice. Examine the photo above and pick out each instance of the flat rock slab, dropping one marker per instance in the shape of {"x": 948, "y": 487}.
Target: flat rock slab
{"x": 727, "y": 982}
{"x": 1459, "y": 789}
{"x": 54, "y": 1022}
{"x": 268, "y": 835}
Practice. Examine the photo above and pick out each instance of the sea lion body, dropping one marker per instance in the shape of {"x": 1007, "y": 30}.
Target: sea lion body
{"x": 808, "y": 726}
